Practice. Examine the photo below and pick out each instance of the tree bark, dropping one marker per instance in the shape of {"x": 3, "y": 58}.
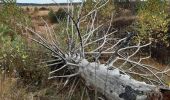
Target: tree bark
{"x": 113, "y": 84}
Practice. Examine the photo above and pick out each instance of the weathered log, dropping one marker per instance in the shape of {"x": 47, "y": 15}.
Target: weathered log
{"x": 112, "y": 83}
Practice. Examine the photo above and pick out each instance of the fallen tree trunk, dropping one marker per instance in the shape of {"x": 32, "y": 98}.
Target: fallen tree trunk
{"x": 110, "y": 79}
{"x": 114, "y": 84}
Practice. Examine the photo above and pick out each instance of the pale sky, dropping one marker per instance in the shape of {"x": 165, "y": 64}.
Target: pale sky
{"x": 46, "y": 1}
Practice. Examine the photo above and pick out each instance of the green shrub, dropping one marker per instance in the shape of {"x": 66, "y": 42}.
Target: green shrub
{"x": 43, "y": 8}
{"x": 19, "y": 57}
{"x": 55, "y": 17}
{"x": 61, "y": 14}
{"x": 153, "y": 21}
{"x": 36, "y": 9}
{"x": 11, "y": 15}
{"x": 23, "y": 61}
{"x": 52, "y": 16}
{"x": 27, "y": 9}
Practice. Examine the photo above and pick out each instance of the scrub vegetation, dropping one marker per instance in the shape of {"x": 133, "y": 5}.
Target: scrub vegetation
{"x": 26, "y": 66}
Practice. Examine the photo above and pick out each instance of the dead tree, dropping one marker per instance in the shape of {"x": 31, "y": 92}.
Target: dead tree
{"x": 121, "y": 75}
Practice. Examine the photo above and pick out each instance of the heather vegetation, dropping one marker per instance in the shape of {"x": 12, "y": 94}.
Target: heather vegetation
{"x": 24, "y": 69}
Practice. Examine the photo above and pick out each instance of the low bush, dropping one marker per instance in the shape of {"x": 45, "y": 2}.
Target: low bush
{"x": 43, "y": 8}
{"x": 18, "y": 57}
{"x": 52, "y": 17}
{"x": 57, "y": 16}
{"x": 22, "y": 61}
{"x": 61, "y": 14}
{"x": 36, "y": 9}
{"x": 152, "y": 25}
{"x": 27, "y": 9}
{"x": 153, "y": 22}
{"x": 11, "y": 16}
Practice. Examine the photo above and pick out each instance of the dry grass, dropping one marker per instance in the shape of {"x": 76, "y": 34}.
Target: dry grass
{"x": 9, "y": 90}
{"x": 12, "y": 89}
{"x": 159, "y": 66}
